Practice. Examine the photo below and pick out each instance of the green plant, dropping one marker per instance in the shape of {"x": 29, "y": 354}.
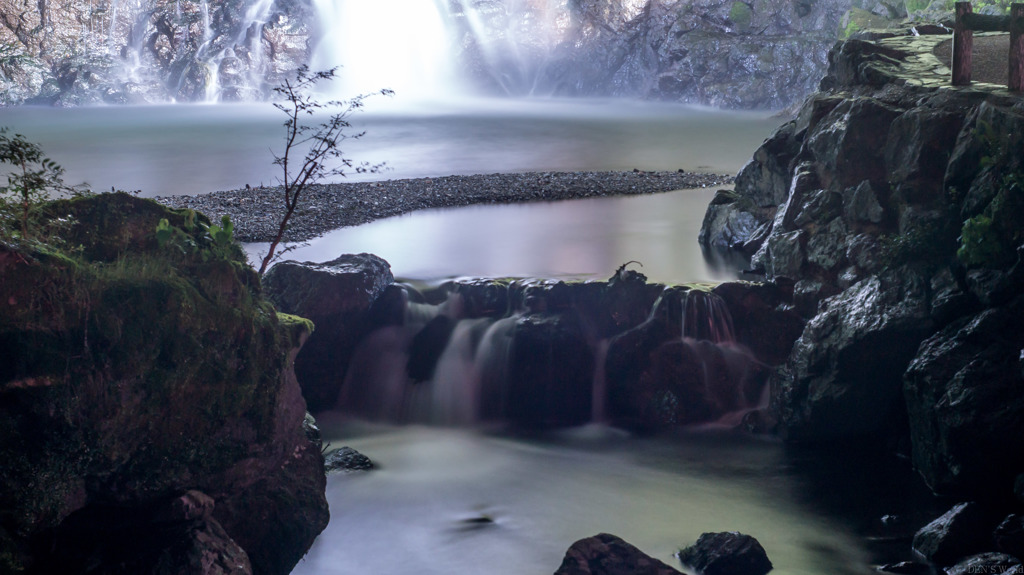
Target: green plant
{"x": 31, "y": 177}
{"x": 211, "y": 241}
{"x": 990, "y": 238}
{"x": 323, "y": 158}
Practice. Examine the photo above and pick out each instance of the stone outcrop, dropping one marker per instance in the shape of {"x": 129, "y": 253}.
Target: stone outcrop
{"x": 763, "y": 54}
{"x": 605, "y": 554}
{"x": 150, "y": 413}
{"x": 339, "y": 297}
{"x": 887, "y": 205}
{"x": 532, "y": 352}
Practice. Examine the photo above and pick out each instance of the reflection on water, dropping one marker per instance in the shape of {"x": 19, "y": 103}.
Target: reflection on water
{"x": 425, "y": 510}
{"x": 190, "y": 149}
{"x": 578, "y": 238}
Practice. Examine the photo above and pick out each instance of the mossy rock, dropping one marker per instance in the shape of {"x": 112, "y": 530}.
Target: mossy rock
{"x": 132, "y": 371}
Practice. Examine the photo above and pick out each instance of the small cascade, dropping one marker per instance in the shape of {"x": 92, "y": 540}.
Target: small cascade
{"x": 727, "y": 381}
{"x": 545, "y": 354}
{"x": 706, "y": 316}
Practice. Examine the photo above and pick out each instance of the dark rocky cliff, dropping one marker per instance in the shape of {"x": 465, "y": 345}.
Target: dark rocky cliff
{"x": 150, "y": 416}
{"x": 890, "y": 207}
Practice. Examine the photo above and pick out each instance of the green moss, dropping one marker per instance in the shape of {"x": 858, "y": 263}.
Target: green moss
{"x": 741, "y": 15}
{"x": 295, "y": 327}
{"x": 137, "y": 369}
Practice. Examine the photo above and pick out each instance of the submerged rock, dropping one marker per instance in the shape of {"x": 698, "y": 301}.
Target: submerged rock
{"x": 987, "y": 563}
{"x": 346, "y": 459}
{"x": 963, "y": 530}
{"x": 728, "y": 553}
{"x": 134, "y": 373}
{"x": 605, "y": 554}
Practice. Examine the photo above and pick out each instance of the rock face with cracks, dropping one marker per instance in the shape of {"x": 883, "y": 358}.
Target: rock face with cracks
{"x": 891, "y": 206}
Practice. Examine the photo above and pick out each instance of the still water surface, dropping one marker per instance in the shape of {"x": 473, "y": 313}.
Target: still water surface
{"x": 190, "y": 149}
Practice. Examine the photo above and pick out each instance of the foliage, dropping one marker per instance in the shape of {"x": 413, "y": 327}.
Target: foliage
{"x": 740, "y": 13}
{"x": 990, "y": 239}
{"x": 197, "y": 238}
{"x": 930, "y": 243}
{"x": 320, "y": 142}
{"x": 32, "y": 179}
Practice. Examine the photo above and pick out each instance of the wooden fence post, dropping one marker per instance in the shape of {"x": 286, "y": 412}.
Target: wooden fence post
{"x": 963, "y": 43}
{"x": 1016, "y": 83}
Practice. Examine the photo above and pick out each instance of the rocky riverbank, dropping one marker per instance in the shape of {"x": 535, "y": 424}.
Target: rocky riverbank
{"x": 257, "y": 212}
{"x": 889, "y": 209}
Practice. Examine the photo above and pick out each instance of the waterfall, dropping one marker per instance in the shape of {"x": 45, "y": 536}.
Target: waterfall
{"x": 547, "y": 362}
{"x": 397, "y": 44}
{"x": 434, "y": 49}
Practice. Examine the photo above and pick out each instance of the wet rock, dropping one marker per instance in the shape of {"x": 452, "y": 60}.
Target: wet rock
{"x": 918, "y": 150}
{"x": 987, "y": 563}
{"x": 1009, "y": 535}
{"x": 850, "y": 143}
{"x": 337, "y": 296}
{"x": 905, "y": 568}
{"x": 427, "y": 346}
{"x": 605, "y": 554}
{"x": 845, "y": 367}
{"x": 963, "y": 530}
{"x": 861, "y": 205}
{"x": 963, "y": 400}
{"x": 656, "y": 378}
{"x": 763, "y": 320}
{"x": 550, "y": 371}
{"x": 346, "y": 459}
{"x": 786, "y": 254}
{"x": 728, "y": 553}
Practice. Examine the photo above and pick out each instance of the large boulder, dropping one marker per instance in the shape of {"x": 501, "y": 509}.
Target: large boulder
{"x": 844, "y": 374}
{"x": 964, "y": 403}
{"x": 338, "y": 297}
{"x": 133, "y": 373}
{"x": 605, "y": 554}
{"x": 963, "y": 530}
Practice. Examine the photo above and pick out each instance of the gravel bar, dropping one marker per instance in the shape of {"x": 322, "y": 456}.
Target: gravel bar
{"x": 256, "y": 212}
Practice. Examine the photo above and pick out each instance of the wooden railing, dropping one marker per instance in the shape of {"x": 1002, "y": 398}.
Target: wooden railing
{"x": 963, "y": 42}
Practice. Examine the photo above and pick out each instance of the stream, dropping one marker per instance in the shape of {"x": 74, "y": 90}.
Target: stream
{"x": 446, "y": 501}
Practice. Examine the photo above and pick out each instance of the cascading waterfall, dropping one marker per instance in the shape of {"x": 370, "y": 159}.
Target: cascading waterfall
{"x": 397, "y": 44}
{"x": 434, "y": 49}
{"x": 543, "y": 364}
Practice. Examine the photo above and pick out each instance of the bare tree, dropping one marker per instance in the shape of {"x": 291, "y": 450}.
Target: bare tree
{"x": 323, "y": 157}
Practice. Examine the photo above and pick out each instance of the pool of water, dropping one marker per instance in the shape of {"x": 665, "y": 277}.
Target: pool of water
{"x": 570, "y": 239}
{"x": 190, "y": 149}
{"x": 457, "y": 501}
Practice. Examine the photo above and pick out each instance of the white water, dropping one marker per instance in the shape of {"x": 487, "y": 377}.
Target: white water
{"x": 408, "y": 51}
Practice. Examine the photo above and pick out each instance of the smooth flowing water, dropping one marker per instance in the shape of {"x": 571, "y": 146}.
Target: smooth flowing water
{"x": 454, "y": 501}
